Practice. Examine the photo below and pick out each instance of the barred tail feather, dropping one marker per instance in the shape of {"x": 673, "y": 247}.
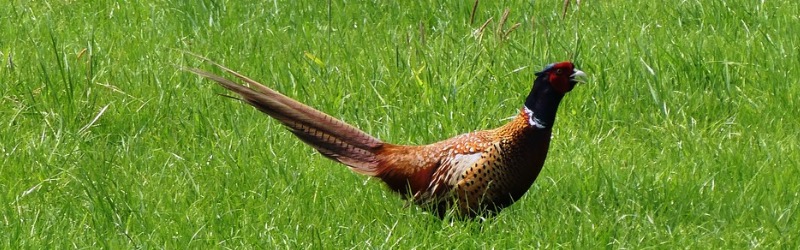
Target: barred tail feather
{"x": 333, "y": 138}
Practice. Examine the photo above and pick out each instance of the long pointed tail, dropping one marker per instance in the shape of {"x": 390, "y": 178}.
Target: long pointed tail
{"x": 332, "y": 137}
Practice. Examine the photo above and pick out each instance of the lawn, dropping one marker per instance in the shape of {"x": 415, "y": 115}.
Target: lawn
{"x": 686, "y": 135}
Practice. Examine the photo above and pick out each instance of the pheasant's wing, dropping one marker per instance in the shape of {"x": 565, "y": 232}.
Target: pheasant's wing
{"x": 458, "y": 156}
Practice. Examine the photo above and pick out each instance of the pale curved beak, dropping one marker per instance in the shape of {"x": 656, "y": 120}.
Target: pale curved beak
{"x": 578, "y": 76}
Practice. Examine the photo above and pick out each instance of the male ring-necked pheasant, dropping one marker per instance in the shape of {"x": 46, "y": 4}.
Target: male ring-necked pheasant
{"x": 477, "y": 173}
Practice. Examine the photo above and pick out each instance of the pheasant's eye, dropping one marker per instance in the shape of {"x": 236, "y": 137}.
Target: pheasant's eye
{"x": 558, "y": 71}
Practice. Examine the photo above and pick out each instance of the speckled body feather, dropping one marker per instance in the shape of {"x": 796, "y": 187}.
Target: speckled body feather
{"x": 475, "y": 173}
{"x": 478, "y": 172}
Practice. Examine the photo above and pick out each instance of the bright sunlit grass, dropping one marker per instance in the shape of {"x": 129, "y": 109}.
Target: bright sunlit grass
{"x": 686, "y": 135}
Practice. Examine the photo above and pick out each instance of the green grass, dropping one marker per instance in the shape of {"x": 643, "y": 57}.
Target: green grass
{"x": 685, "y": 137}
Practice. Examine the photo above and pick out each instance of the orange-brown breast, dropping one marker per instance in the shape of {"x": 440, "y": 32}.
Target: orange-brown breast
{"x": 505, "y": 173}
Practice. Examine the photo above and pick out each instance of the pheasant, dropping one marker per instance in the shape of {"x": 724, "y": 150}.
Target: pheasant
{"x": 473, "y": 174}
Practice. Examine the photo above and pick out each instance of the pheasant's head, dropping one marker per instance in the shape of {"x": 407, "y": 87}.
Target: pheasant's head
{"x": 561, "y": 76}
{"x": 550, "y": 85}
